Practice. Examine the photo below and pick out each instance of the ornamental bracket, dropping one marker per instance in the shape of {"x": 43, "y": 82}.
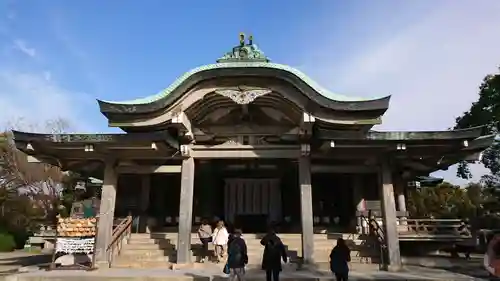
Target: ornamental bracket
{"x": 243, "y": 96}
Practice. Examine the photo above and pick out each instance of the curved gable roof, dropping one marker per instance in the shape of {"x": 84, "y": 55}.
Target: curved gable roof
{"x": 244, "y": 60}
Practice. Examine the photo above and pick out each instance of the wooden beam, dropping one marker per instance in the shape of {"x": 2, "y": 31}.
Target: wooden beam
{"x": 393, "y": 145}
{"x": 230, "y": 146}
{"x": 248, "y": 130}
{"x": 183, "y": 123}
{"x": 227, "y": 154}
{"x": 80, "y": 154}
{"x": 343, "y": 169}
{"x": 415, "y": 165}
{"x": 140, "y": 169}
{"x": 307, "y": 123}
{"x": 454, "y": 135}
{"x": 474, "y": 157}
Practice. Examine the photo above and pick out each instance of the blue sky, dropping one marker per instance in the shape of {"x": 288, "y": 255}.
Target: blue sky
{"x": 57, "y": 57}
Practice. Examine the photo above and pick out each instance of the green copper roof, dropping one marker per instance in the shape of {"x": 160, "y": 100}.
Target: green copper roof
{"x": 245, "y": 55}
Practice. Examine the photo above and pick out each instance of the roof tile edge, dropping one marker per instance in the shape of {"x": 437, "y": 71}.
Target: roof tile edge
{"x": 246, "y": 64}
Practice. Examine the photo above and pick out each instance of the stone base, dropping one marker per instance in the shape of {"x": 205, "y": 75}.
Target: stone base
{"x": 180, "y": 266}
{"x": 101, "y": 264}
{"x": 394, "y": 268}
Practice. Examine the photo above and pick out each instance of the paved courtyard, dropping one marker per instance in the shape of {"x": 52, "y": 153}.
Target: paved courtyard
{"x": 422, "y": 269}
{"x": 12, "y": 261}
{"x": 202, "y": 275}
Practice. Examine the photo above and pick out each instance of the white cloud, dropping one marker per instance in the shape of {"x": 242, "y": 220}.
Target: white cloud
{"x": 21, "y": 46}
{"x": 47, "y": 75}
{"x": 432, "y": 68}
{"x": 33, "y": 98}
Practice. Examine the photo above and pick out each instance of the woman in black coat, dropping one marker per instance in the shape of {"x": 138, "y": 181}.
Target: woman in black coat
{"x": 339, "y": 260}
{"x": 274, "y": 252}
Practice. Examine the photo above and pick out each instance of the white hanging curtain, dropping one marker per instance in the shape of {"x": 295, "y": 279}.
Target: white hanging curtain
{"x": 252, "y": 197}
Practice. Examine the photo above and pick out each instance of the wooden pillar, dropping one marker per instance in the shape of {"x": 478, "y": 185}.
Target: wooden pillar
{"x": 401, "y": 200}
{"x": 400, "y": 194}
{"x": 106, "y": 212}
{"x": 390, "y": 218}
{"x": 306, "y": 208}
{"x": 185, "y": 211}
{"x": 144, "y": 203}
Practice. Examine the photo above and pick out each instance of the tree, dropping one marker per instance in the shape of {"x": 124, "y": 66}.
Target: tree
{"x": 444, "y": 201}
{"x": 28, "y": 191}
{"x": 485, "y": 111}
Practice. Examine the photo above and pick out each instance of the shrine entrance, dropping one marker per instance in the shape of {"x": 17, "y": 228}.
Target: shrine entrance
{"x": 246, "y": 194}
{"x": 333, "y": 202}
{"x": 252, "y": 203}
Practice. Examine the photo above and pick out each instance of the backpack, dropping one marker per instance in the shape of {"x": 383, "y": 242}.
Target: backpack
{"x": 273, "y": 248}
{"x": 234, "y": 255}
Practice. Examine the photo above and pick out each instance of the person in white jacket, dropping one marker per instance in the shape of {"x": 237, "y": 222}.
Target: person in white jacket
{"x": 220, "y": 238}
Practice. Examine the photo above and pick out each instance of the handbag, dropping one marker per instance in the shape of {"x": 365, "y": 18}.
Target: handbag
{"x": 210, "y": 238}
{"x": 226, "y": 270}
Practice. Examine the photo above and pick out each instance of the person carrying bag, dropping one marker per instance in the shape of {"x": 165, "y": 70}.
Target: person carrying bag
{"x": 205, "y": 235}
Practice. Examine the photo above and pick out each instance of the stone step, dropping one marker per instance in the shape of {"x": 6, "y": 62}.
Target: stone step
{"x": 250, "y": 247}
{"x": 210, "y": 266}
{"x": 334, "y": 234}
{"x": 331, "y": 236}
{"x": 252, "y": 260}
{"x": 122, "y": 263}
{"x": 166, "y": 241}
{"x": 159, "y": 255}
{"x": 160, "y": 245}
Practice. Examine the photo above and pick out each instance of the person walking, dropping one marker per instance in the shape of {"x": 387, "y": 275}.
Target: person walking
{"x": 237, "y": 256}
{"x": 274, "y": 252}
{"x": 339, "y": 259}
{"x": 220, "y": 239}
{"x": 205, "y": 235}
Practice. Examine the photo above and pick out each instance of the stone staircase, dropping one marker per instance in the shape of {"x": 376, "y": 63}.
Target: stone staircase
{"x": 157, "y": 250}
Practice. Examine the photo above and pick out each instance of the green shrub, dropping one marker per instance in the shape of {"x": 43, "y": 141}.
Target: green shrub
{"x": 7, "y": 242}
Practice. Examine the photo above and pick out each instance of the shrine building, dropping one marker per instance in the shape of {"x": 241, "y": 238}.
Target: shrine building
{"x": 251, "y": 141}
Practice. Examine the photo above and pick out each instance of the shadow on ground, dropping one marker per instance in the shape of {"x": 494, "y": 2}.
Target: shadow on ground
{"x": 11, "y": 263}
{"x": 472, "y": 268}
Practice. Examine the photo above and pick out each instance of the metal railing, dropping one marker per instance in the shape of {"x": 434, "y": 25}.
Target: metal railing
{"x": 121, "y": 232}
{"x": 433, "y": 226}
{"x": 376, "y": 231}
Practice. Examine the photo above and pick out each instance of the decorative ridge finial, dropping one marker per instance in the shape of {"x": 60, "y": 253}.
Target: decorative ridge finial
{"x": 242, "y": 39}
{"x": 245, "y": 51}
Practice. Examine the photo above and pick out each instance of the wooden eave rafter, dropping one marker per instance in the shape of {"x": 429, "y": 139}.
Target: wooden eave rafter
{"x": 351, "y": 124}
{"x": 465, "y": 134}
{"x": 97, "y": 139}
{"x": 420, "y": 151}
{"x": 68, "y": 150}
{"x": 471, "y": 152}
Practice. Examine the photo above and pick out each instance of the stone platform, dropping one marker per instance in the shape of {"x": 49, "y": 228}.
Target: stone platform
{"x": 214, "y": 273}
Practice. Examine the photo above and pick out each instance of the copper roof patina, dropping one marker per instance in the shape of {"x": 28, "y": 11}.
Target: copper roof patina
{"x": 246, "y": 59}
